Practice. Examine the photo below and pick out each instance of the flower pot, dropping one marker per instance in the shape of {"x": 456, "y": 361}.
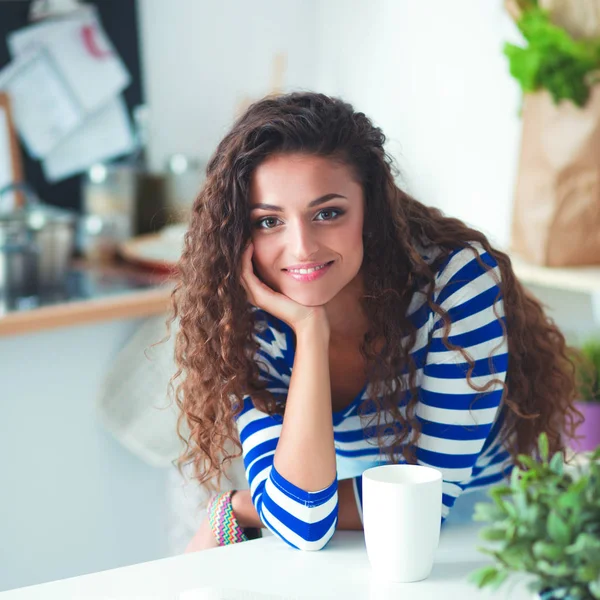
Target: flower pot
{"x": 589, "y": 429}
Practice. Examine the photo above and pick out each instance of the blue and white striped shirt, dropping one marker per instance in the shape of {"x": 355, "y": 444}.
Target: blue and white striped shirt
{"x": 460, "y": 425}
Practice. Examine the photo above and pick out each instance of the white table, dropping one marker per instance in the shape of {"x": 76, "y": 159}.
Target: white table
{"x": 269, "y": 566}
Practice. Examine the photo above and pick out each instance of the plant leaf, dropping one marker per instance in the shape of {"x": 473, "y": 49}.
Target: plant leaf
{"x": 493, "y": 534}
{"x": 558, "y": 529}
{"x": 557, "y": 463}
{"x": 514, "y": 477}
{"x": 587, "y": 573}
{"x": 569, "y": 500}
{"x": 594, "y": 588}
{"x": 543, "y": 446}
{"x": 497, "y": 494}
{"x": 500, "y": 490}
{"x": 585, "y": 542}
{"x": 484, "y": 576}
{"x": 552, "y": 60}
{"x": 486, "y": 511}
{"x": 511, "y": 509}
{"x": 554, "y": 570}
{"x": 499, "y": 580}
{"x": 547, "y": 550}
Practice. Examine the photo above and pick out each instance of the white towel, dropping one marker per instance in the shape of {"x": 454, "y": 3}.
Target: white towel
{"x": 133, "y": 402}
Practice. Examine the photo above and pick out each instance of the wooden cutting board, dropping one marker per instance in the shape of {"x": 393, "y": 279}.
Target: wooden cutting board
{"x": 153, "y": 251}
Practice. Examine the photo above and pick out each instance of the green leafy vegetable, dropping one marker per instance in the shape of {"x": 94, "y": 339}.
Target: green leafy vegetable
{"x": 552, "y": 59}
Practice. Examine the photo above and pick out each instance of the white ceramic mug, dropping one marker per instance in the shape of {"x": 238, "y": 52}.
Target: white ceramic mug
{"x": 402, "y": 514}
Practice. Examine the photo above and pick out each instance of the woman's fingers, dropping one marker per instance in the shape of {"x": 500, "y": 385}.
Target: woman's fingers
{"x": 249, "y": 294}
{"x": 259, "y": 293}
{"x": 247, "y": 260}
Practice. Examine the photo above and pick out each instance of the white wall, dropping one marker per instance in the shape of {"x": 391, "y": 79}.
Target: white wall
{"x": 200, "y": 58}
{"x": 432, "y": 74}
{"x": 72, "y": 499}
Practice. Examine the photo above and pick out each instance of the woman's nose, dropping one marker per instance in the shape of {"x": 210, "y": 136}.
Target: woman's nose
{"x": 304, "y": 243}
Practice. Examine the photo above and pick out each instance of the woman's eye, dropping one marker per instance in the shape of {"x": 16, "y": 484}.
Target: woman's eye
{"x": 327, "y": 214}
{"x": 267, "y": 223}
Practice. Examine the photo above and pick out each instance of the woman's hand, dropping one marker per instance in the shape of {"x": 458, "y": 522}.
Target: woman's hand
{"x": 203, "y": 538}
{"x": 261, "y": 295}
{"x": 244, "y": 512}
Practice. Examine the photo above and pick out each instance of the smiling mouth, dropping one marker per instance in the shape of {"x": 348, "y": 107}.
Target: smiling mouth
{"x": 310, "y": 269}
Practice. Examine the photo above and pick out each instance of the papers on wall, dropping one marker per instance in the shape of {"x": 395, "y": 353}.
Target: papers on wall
{"x": 65, "y": 82}
{"x": 105, "y": 134}
{"x": 82, "y": 52}
{"x": 45, "y": 117}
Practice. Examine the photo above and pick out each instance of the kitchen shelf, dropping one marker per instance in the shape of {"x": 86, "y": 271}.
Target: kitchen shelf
{"x": 93, "y": 293}
{"x": 576, "y": 279}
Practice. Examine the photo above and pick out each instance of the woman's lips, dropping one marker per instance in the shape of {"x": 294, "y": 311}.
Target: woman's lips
{"x": 308, "y": 273}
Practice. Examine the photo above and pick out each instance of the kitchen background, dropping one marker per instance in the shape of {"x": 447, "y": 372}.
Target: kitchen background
{"x": 78, "y": 494}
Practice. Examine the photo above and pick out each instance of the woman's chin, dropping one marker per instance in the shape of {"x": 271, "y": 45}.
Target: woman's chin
{"x": 309, "y": 298}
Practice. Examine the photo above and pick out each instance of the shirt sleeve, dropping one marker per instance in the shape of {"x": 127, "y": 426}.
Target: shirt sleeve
{"x": 457, "y": 421}
{"x": 305, "y": 520}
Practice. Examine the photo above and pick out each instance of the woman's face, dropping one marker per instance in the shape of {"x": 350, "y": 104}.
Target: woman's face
{"x": 307, "y": 217}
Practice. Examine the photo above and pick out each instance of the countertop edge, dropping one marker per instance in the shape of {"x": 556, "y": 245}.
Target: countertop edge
{"x": 129, "y": 305}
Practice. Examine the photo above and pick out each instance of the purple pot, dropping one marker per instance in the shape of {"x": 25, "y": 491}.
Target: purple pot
{"x": 589, "y": 429}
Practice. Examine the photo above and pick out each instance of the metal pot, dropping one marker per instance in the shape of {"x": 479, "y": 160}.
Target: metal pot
{"x": 36, "y": 245}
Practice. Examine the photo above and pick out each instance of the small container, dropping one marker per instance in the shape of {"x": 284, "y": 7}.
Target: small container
{"x": 185, "y": 176}
{"x": 36, "y": 245}
{"x": 109, "y": 197}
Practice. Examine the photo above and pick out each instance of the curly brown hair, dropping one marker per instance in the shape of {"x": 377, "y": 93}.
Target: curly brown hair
{"x": 215, "y": 348}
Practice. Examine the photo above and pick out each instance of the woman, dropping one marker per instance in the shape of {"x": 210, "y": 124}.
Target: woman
{"x": 331, "y": 322}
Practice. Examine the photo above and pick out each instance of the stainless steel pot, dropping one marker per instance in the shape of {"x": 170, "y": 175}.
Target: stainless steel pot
{"x": 36, "y": 245}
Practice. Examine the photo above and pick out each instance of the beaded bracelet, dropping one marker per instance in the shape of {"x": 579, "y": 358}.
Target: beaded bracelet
{"x": 222, "y": 521}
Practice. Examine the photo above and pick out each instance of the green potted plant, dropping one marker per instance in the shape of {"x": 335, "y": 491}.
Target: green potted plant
{"x": 587, "y": 366}
{"x": 545, "y": 523}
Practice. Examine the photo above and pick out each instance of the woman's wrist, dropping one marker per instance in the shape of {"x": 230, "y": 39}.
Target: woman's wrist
{"x": 222, "y": 521}
{"x": 313, "y": 328}
{"x": 244, "y": 511}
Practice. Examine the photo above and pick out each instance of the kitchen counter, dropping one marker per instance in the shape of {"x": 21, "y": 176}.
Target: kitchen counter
{"x": 92, "y": 293}
{"x": 268, "y": 568}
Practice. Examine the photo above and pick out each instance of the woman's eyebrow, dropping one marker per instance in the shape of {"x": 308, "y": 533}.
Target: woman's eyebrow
{"x": 320, "y": 200}
{"x": 324, "y": 198}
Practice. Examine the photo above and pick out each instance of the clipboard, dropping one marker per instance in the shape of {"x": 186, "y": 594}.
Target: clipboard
{"x": 11, "y": 162}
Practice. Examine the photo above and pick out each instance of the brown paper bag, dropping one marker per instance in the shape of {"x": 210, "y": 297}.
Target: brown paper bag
{"x": 581, "y": 18}
{"x": 556, "y": 215}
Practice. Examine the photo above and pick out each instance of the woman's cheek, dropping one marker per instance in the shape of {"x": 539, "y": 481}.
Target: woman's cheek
{"x": 262, "y": 270}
